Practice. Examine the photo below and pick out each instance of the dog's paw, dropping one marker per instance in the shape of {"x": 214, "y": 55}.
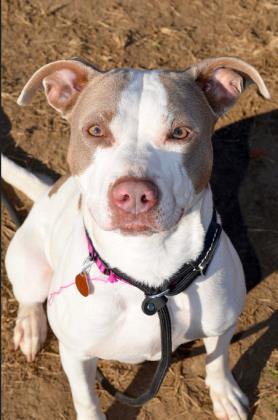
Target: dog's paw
{"x": 229, "y": 402}
{"x": 30, "y": 330}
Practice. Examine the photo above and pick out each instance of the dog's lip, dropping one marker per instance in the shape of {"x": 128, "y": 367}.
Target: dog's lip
{"x": 145, "y": 226}
{"x": 137, "y": 230}
{"x": 136, "y": 227}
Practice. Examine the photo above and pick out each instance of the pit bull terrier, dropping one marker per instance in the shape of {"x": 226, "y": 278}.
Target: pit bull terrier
{"x": 140, "y": 160}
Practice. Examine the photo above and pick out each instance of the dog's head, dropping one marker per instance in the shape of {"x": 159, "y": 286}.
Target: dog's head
{"x": 140, "y": 141}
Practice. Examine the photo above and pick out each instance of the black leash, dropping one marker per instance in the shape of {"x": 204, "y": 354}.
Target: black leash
{"x": 156, "y": 302}
{"x": 161, "y": 370}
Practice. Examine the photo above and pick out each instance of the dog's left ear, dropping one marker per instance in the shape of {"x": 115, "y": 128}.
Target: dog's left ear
{"x": 223, "y": 80}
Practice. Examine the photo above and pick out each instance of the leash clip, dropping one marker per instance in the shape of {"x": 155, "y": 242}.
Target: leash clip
{"x": 153, "y": 303}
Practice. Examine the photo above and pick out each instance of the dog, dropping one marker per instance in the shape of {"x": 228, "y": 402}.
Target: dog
{"x": 140, "y": 160}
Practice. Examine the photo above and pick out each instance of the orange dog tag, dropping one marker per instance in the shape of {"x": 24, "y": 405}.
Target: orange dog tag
{"x": 82, "y": 283}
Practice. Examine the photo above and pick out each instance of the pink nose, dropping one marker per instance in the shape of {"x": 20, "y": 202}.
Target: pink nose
{"x": 135, "y": 196}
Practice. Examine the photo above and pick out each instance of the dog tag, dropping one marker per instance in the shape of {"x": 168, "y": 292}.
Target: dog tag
{"x": 82, "y": 283}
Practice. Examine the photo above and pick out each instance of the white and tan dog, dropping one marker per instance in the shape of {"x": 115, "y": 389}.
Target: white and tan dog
{"x": 140, "y": 159}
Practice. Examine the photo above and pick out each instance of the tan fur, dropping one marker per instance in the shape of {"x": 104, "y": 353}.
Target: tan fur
{"x": 206, "y": 67}
{"x": 188, "y": 107}
{"x": 55, "y": 188}
{"x": 227, "y": 77}
{"x": 96, "y": 105}
{"x": 36, "y": 81}
{"x": 79, "y": 204}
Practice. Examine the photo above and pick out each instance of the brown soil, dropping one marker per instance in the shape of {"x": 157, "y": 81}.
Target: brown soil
{"x": 154, "y": 33}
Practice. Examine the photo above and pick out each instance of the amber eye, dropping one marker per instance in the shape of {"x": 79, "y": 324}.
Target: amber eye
{"x": 180, "y": 133}
{"x": 95, "y": 131}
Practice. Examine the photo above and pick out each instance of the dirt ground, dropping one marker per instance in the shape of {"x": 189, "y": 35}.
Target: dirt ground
{"x": 148, "y": 34}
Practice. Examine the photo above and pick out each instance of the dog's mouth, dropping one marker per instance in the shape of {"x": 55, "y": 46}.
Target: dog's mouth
{"x": 143, "y": 224}
{"x": 148, "y": 223}
{"x": 137, "y": 228}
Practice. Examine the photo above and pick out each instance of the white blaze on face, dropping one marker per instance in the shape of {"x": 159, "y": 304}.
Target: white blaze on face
{"x": 141, "y": 111}
{"x": 139, "y": 128}
{"x": 153, "y": 111}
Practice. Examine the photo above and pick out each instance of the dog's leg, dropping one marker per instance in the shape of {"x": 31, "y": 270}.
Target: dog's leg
{"x": 30, "y": 275}
{"x": 81, "y": 375}
{"x": 228, "y": 400}
{"x": 30, "y": 329}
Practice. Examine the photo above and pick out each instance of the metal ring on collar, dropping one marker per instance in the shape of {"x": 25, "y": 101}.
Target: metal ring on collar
{"x": 153, "y": 303}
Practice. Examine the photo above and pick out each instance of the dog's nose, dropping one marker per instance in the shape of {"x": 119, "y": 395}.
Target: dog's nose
{"x": 135, "y": 195}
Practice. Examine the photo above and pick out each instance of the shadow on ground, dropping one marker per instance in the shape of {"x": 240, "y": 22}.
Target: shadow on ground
{"x": 257, "y": 355}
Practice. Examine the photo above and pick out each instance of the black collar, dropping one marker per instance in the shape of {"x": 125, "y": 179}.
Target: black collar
{"x": 182, "y": 278}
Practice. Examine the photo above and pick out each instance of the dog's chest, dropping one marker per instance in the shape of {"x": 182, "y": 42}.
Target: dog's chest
{"x": 110, "y": 323}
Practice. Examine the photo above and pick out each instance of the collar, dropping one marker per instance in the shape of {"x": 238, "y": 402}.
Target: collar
{"x": 180, "y": 280}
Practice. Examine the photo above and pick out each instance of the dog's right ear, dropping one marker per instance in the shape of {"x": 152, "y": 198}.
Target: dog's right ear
{"x": 62, "y": 82}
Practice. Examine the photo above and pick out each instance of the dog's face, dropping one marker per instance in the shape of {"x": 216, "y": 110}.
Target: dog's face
{"x": 140, "y": 140}
{"x": 140, "y": 146}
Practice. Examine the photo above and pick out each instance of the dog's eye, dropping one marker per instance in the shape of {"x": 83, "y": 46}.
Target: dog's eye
{"x": 180, "y": 133}
{"x": 95, "y": 131}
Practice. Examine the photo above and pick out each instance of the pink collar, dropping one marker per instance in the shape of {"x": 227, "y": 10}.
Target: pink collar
{"x": 102, "y": 266}
{"x": 83, "y": 279}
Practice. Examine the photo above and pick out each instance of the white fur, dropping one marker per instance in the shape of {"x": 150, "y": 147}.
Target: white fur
{"x": 33, "y": 186}
{"x": 109, "y": 323}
